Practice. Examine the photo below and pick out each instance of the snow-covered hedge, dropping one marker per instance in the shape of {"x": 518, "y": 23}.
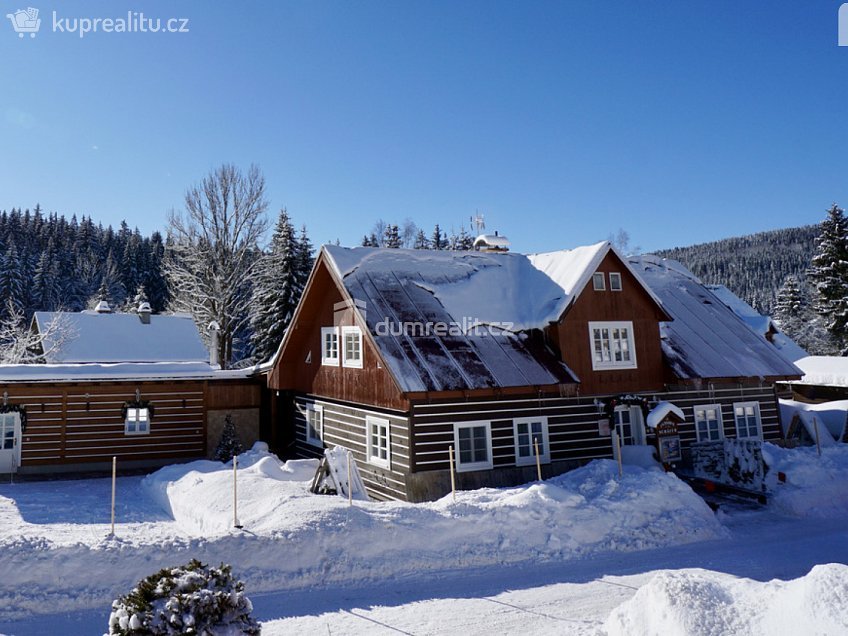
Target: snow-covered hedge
{"x": 191, "y": 599}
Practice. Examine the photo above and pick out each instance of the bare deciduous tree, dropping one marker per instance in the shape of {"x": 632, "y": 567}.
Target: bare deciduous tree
{"x": 212, "y": 251}
{"x": 22, "y": 344}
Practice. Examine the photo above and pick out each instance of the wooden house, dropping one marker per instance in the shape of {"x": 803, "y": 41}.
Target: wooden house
{"x": 136, "y": 387}
{"x": 399, "y": 355}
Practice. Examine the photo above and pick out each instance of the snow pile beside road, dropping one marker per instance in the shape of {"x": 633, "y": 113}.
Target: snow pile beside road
{"x": 704, "y": 603}
{"x": 815, "y": 486}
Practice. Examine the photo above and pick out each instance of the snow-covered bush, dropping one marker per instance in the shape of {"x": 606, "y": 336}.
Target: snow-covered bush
{"x": 190, "y": 599}
{"x": 229, "y": 446}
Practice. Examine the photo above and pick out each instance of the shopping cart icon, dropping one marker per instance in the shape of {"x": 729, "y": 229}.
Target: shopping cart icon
{"x": 25, "y": 21}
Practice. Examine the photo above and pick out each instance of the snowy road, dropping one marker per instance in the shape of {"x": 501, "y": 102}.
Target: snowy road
{"x": 564, "y": 598}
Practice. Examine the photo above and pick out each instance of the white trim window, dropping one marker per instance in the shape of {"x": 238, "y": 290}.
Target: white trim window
{"x": 473, "y": 443}
{"x": 747, "y": 418}
{"x": 330, "y": 346}
{"x": 379, "y": 448}
{"x": 598, "y": 283}
{"x": 615, "y": 281}
{"x": 530, "y": 431}
{"x": 611, "y": 344}
{"x": 352, "y": 347}
{"x": 137, "y": 421}
{"x": 708, "y": 423}
{"x": 315, "y": 425}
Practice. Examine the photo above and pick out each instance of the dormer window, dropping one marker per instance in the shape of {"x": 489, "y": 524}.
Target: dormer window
{"x": 330, "y": 346}
{"x": 615, "y": 281}
{"x": 137, "y": 421}
{"x": 612, "y": 345}
{"x": 598, "y": 281}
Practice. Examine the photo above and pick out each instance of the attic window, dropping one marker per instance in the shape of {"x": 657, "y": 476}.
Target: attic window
{"x": 352, "y": 343}
{"x": 615, "y": 281}
{"x": 598, "y": 281}
{"x": 612, "y": 345}
{"x": 330, "y": 346}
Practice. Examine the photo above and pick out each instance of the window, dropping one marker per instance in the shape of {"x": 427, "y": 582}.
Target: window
{"x": 612, "y": 345}
{"x": 8, "y": 424}
{"x": 352, "y": 341}
{"x": 529, "y": 432}
{"x": 708, "y": 424}
{"x": 615, "y": 281}
{"x": 598, "y": 281}
{"x": 473, "y": 443}
{"x": 747, "y": 416}
{"x": 137, "y": 422}
{"x": 379, "y": 449}
{"x": 314, "y": 425}
{"x": 330, "y": 346}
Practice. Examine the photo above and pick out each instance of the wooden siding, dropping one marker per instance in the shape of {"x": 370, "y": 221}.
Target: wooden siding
{"x": 372, "y": 384}
{"x": 344, "y": 425}
{"x": 633, "y": 304}
{"x": 234, "y": 394}
{"x": 572, "y": 423}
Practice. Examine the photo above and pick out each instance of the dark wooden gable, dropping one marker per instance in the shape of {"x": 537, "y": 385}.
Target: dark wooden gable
{"x": 634, "y": 304}
{"x": 372, "y": 384}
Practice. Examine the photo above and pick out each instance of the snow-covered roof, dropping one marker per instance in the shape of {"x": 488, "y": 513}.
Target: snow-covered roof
{"x": 824, "y": 370}
{"x": 91, "y": 337}
{"x": 759, "y": 324}
{"x": 409, "y": 293}
{"x": 661, "y": 411}
{"x": 706, "y": 339}
{"x": 830, "y": 417}
{"x": 122, "y": 371}
{"x": 491, "y": 240}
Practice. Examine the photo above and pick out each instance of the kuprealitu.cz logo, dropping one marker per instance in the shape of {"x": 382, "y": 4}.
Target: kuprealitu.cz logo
{"x": 28, "y": 22}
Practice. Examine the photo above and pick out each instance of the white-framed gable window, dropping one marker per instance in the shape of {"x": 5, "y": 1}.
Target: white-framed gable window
{"x": 747, "y": 417}
{"x": 598, "y": 283}
{"x": 531, "y": 432}
{"x": 352, "y": 347}
{"x": 615, "y": 281}
{"x": 612, "y": 345}
{"x": 378, "y": 443}
{"x": 315, "y": 425}
{"x": 330, "y": 346}
{"x": 708, "y": 423}
{"x": 473, "y": 444}
{"x": 137, "y": 421}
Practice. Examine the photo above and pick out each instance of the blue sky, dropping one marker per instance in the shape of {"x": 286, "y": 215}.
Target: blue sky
{"x": 680, "y": 122}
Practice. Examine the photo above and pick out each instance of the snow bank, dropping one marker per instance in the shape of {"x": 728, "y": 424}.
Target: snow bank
{"x": 703, "y": 603}
{"x": 831, "y": 417}
{"x": 293, "y": 539}
{"x": 815, "y": 486}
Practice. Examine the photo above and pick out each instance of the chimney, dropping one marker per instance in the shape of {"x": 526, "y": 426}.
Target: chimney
{"x": 103, "y": 308}
{"x": 215, "y": 328}
{"x": 144, "y": 312}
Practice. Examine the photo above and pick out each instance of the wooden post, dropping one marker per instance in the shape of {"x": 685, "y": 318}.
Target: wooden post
{"x": 236, "y": 523}
{"x": 114, "y": 477}
{"x": 453, "y": 477}
{"x": 349, "y": 484}
{"x": 818, "y": 441}
{"x": 538, "y": 459}
{"x": 617, "y": 443}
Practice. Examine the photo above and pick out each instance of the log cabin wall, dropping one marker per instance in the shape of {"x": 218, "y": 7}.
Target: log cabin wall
{"x": 80, "y": 426}
{"x": 344, "y": 425}
{"x": 632, "y": 304}
{"x": 301, "y": 370}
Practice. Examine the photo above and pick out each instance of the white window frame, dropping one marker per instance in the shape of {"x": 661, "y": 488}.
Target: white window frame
{"x": 615, "y": 276}
{"x": 133, "y": 419}
{"x": 319, "y": 412}
{"x": 705, "y": 408}
{"x": 631, "y": 345}
{"x": 759, "y": 419}
{"x": 352, "y": 363}
{"x": 373, "y": 455}
{"x": 599, "y": 282}
{"x": 326, "y": 360}
{"x": 469, "y": 466}
{"x": 530, "y": 460}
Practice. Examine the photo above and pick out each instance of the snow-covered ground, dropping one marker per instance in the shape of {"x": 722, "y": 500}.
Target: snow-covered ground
{"x": 559, "y": 555}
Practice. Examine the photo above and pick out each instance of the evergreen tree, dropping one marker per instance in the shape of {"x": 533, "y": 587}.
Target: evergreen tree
{"x": 829, "y": 273}
{"x": 438, "y": 241}
{"x": 277, "y": 289}
{"x": 392, "y": 237}
{"x": 229, "y": 445}
{"x": 13, "y": 283}
{"x": 421, "y": 241}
